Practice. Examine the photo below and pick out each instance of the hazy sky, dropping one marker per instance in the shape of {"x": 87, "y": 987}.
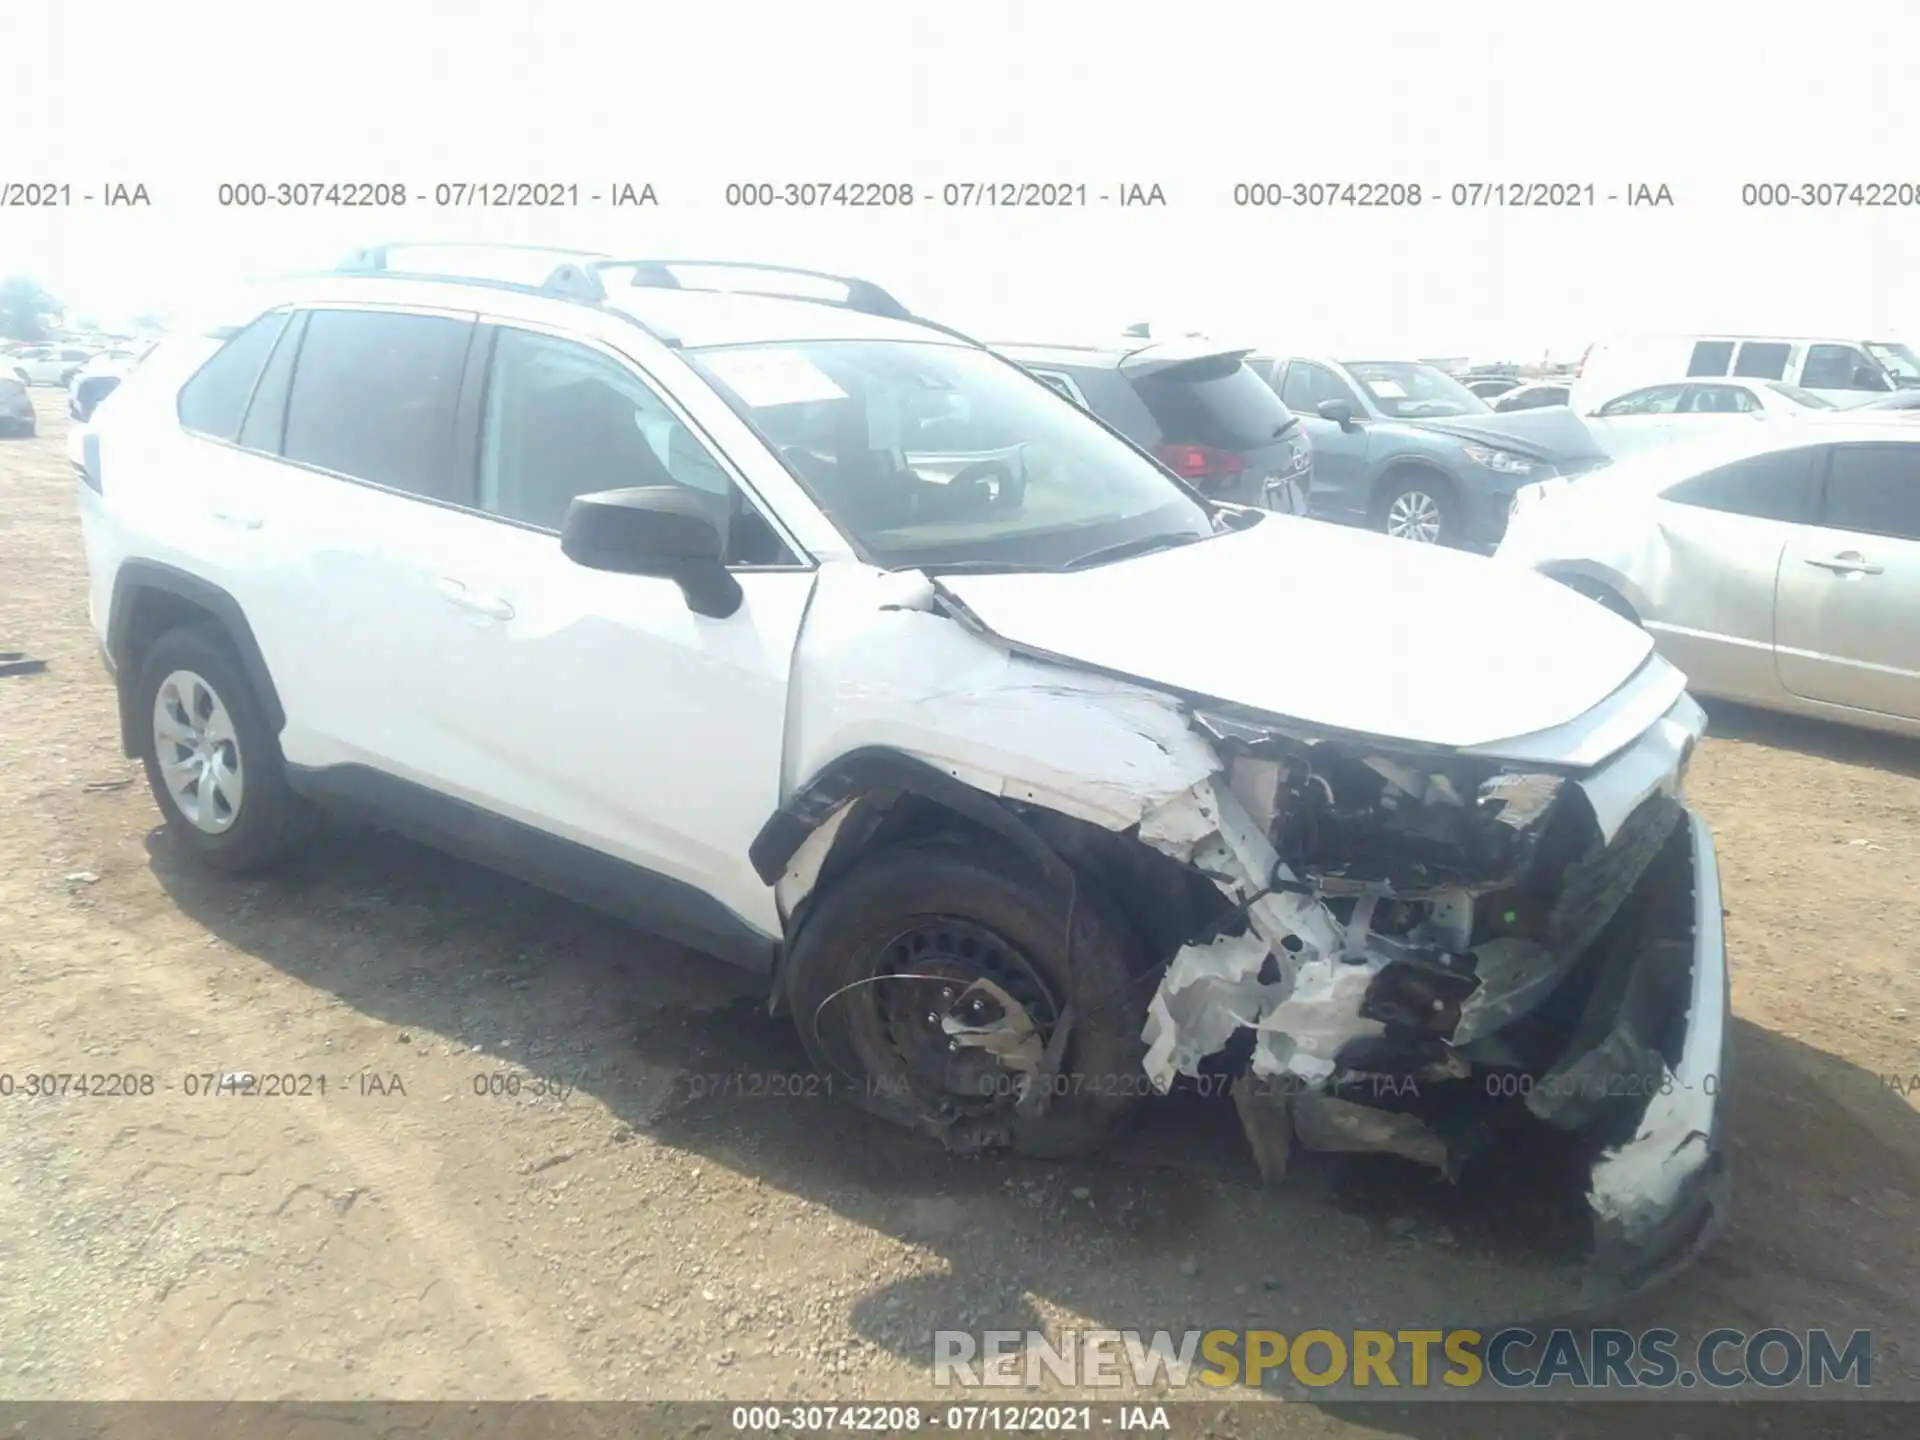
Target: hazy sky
{"x": 1702, "y": 97}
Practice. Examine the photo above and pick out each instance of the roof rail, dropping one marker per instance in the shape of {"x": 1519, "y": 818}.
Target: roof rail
{"x": 578, "y": 275}
{"x": 862, "y": 295}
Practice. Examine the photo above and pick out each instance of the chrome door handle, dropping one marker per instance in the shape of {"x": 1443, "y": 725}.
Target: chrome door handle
{"x": 1846, "y": 563}
{"x": 456, "y": 592}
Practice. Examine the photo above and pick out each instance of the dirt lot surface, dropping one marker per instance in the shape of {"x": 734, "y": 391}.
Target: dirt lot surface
{"x": 630, "y": 1224}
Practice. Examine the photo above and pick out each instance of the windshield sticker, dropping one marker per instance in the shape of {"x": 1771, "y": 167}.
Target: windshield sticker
{"x": 767, "y": 379}
{"x": 1387, "y": 389}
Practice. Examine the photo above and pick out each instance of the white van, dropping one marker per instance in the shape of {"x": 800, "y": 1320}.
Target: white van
{"x": 1847, "y": 372}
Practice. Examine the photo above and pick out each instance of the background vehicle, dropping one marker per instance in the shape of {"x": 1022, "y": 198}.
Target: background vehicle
{"x": 49, "y": 364}
{"x": 1899, "y": 400}
{"x": 16, "y": 407}
{"x": 95, "y": 381}
{"x": 1845, "y": 372}
{"x": 1192, "y": 403}
{"x": 1488, "y": 387}
{"x": 1405, "y": 449}
{"x": 1777, "y": 565}
{"x": 1533, "y": 396}
{"x": 1657, "y": 414}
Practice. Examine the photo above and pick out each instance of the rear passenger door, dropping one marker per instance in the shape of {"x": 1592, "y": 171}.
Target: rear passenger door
{"x": 1849, "y": 598}
{"x": 349, "y": 494}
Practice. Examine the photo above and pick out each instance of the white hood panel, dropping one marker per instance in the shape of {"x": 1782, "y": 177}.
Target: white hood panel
{"x": 1332, "y": 627}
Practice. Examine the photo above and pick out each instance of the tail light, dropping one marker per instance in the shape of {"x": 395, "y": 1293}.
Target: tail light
{"x": 1202, "y": 465}
{"x": 1581, "y": 368}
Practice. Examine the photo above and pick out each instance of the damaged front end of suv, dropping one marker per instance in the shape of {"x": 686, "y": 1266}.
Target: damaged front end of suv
{"x": 1040, "y": 865}
{"x": 1424, "y": 946}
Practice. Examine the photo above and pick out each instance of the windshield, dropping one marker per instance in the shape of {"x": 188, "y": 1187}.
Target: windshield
{"x": 1901, "y": 362}
{"x": 933, "y": 454}
{"x": 1802, "y": 397}
{"x": 1406, "y": 390}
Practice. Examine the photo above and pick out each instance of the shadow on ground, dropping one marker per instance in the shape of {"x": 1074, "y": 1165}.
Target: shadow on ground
{"x": 1821, "y": 739}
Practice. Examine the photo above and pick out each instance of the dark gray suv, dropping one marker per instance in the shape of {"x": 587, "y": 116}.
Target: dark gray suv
{"x": 1401, "y": 447}
{"x": 1192, "y": 403}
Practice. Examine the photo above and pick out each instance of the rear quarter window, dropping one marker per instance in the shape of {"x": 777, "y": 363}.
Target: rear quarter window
{"x": 1779, "y": 485}
{"x": 1219, "y": 403}
{"x": 214, "y": 401}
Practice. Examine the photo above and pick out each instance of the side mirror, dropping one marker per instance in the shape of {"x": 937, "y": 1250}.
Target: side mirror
{"x": 1338, "y": 411}
{"x": 662, "y": 531}
{"x": 1867, "y": 378}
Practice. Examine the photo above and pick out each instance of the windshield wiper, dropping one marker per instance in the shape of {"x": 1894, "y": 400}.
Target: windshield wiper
{"x": 1141, "y": 546}
{"x": 982, "y": 567}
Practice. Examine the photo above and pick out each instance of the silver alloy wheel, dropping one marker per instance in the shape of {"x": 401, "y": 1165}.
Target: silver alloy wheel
{"x": 198, "y": 753}
{"x": 1414, "y": 515}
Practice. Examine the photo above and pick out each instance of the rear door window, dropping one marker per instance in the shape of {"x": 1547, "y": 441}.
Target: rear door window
{"x": 1217, "y": 402}
{"x": 1710, "y": 357}
{"x": 1763, "y": 360}
{"x": 1874, "y": 490}
{"x": 214, "y": 401}
{"x": 373, "y": 398}
{"x": 1719, "y": 400}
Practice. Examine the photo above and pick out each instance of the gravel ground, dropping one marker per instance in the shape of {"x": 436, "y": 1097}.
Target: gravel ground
{"x": 622, "y": 1222}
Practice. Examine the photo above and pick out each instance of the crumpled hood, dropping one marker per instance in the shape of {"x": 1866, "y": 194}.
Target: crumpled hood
{"x": 1552, "y": 433}
{"x": 1336, "y": 628}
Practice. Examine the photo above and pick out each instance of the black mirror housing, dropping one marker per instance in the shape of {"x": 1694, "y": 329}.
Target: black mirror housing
{"x": 1338, "y": 411}
{"x": 662, "y": 531}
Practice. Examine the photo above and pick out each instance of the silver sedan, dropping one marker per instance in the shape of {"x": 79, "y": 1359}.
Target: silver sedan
{"x": 1779, "y": 567}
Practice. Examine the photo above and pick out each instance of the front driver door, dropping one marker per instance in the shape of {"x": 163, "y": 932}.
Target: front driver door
{"x": 598, "y": 707}
{"x": 1340, "y": 480}
{"x": 1849, "y": 597}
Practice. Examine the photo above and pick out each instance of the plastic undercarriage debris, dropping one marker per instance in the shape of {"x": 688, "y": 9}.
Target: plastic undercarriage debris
{"x": 1428, "y": 951}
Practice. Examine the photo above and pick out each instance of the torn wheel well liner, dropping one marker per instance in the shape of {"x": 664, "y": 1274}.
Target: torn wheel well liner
{"x": 879, "y": 773}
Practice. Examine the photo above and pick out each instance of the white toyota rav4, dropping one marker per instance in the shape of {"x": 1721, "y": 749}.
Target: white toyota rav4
{"x": 817, "y": 637}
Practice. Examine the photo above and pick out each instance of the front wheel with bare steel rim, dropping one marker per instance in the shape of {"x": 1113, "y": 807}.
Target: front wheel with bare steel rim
{"x": 212, "y": 762}
{"x": 937, "y": 986}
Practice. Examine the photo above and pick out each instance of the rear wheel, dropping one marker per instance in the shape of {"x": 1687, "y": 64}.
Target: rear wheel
{"x": 212, "y": 761}
{"x": 932, "y": 982}
{"x": 1419, "y": 506}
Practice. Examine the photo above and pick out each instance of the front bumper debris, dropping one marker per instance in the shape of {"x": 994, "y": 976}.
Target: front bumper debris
{"x": 1422, "y": 951}
{"x": 1660, "y": 1198}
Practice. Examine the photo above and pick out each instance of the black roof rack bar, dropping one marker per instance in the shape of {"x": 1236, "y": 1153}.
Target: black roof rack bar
{"x": 862, "y": 295}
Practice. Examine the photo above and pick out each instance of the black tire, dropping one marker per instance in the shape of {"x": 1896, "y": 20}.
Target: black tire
{"x": 1099, "y": 1083}
{"x": 271, "y": 822}
{"x": 1439, "y": 494}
